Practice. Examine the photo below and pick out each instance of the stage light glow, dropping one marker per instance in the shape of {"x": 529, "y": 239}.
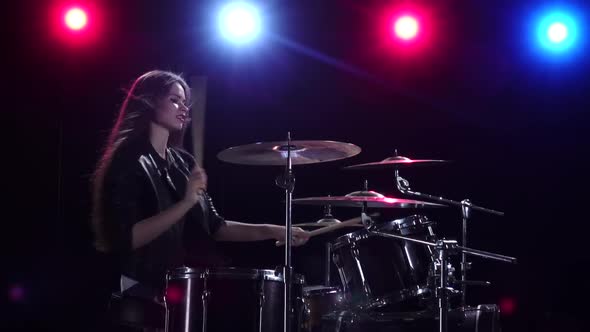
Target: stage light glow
{"x": 406, "y": 27}
{"x": 239, "y": 22}
{"x": 76, "y": 23}
{"x": 76, "y": 19}
{"x": 557, "y": 31}
{"x": 174, "y": 294}
{"x": 16, "y": 293}
{"x": 507, "y": 305}
{"x": 407, "y": 30}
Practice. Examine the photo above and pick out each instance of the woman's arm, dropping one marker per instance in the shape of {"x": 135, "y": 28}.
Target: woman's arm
{"x": 150, "y": 228}
{"x": 237, "y": 231}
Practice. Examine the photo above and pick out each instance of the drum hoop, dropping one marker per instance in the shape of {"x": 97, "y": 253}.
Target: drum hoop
{"x": 349, "y": 238}
{"x": 392, "y": 298}
{"x": 320, "y": 291}
{"x": 227, "y": 273}
{"x": 414, "y": 220}
{"x": 395, "y": 224}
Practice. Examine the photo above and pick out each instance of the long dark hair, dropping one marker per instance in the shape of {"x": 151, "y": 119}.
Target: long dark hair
{"x": 133, "y": 122}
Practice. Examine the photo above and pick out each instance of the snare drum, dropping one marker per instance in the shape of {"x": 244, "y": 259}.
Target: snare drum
{"x": 229, "y": 299}
{"x": 376, "y": 271}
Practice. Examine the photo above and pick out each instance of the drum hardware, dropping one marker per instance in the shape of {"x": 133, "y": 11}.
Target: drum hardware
{"x": 328, "y": 217}
{"x": 327, "y": 261}
{"x": 287, "y": 154}
{"x": 466, "y": 206}
{"x": 261, "y": 299}
{"x": 287, "y": 182}
{"x": 481, "y": 318}
{"x": 444, "y": 249}
{"x": 205, "y": 298}
{"x": 397, "y": 162}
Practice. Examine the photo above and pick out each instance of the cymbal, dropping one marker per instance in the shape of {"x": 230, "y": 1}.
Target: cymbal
{"x": 358, "y": 198}
{"x": 329, "y": 220}
{"x": 275, "y": 153}
{"x": 397, "y": 162}
{"x": 324, "y": 224}
{"x": 326, "y": 220}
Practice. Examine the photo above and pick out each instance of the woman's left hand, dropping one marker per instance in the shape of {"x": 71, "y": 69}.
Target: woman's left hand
{"x": 298, "y": 236}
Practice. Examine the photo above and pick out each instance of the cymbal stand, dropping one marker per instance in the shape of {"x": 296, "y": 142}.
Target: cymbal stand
{"x": 466, "y": 206}
{"x": 287, "y": 182}
{"x": 444, "y": 249}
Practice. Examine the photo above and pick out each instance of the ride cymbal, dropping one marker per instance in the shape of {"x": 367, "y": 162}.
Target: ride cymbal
{"x": 275, "y": 153}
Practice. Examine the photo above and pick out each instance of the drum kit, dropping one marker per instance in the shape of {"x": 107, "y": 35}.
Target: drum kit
{"x": 398, "y": 271}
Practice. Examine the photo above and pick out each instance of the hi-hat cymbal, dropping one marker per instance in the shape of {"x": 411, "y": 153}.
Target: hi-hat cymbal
{"x": 324, "y": 224}
{"x": 327, "y": 220}
{"x": 396, "y": 162}
{"x": 371, "y": 198}
{"x": 275, "y": 153}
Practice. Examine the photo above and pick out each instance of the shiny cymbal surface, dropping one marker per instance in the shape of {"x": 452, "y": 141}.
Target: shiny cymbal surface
{"x": 324, "y": 224}
{"x": 357, "y": 199}
{"x": 397, "y": 162}
{"x": 275, "y": 153}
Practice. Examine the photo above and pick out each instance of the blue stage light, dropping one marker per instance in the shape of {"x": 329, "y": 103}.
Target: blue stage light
{"x": 239, "y": 22}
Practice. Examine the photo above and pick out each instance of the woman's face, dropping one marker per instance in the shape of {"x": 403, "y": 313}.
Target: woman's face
{"x": 171, "y": 110}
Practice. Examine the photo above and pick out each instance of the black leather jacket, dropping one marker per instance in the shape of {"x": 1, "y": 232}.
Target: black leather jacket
{"x": 140, "y": 184}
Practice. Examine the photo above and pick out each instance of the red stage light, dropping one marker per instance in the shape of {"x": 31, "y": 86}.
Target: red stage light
{"x": 76, "y": 23}
{"x": 76, "y": 18}
{"x": 16, "y": 293}
{"x": 507, "y": 305}
{"x": 174, "y": 294}
{"x": 406, "y": 27}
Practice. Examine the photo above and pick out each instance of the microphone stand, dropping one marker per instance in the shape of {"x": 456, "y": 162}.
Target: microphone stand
{"x": 287, "y": 182}
{"x": 444, "y": 249}
{"x": 466, "y": 206}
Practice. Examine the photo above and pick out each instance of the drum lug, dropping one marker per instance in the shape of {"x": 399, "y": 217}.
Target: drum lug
{"x": 205, "y": 298}
{"x": 305, "y": 316}
{"x": 205, "y": 295}
{"x": 260, "y": 308}
{"x": 466, "y": 266}
{"x": 449, "y": 290}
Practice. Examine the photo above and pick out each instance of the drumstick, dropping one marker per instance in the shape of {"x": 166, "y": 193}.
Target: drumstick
{"x": 349, "y": 222}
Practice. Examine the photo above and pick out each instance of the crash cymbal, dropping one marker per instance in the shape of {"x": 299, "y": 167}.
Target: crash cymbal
{"x": 275, "y": 153}
{"x": 396, "y": 162}
{"x": 358, "y": 198}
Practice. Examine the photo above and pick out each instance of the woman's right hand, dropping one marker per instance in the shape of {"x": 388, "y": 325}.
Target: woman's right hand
{"x": 197, "y": 183}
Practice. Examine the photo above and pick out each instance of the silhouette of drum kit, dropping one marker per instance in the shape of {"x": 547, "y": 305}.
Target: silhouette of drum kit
{"x": 394, "y": 276}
